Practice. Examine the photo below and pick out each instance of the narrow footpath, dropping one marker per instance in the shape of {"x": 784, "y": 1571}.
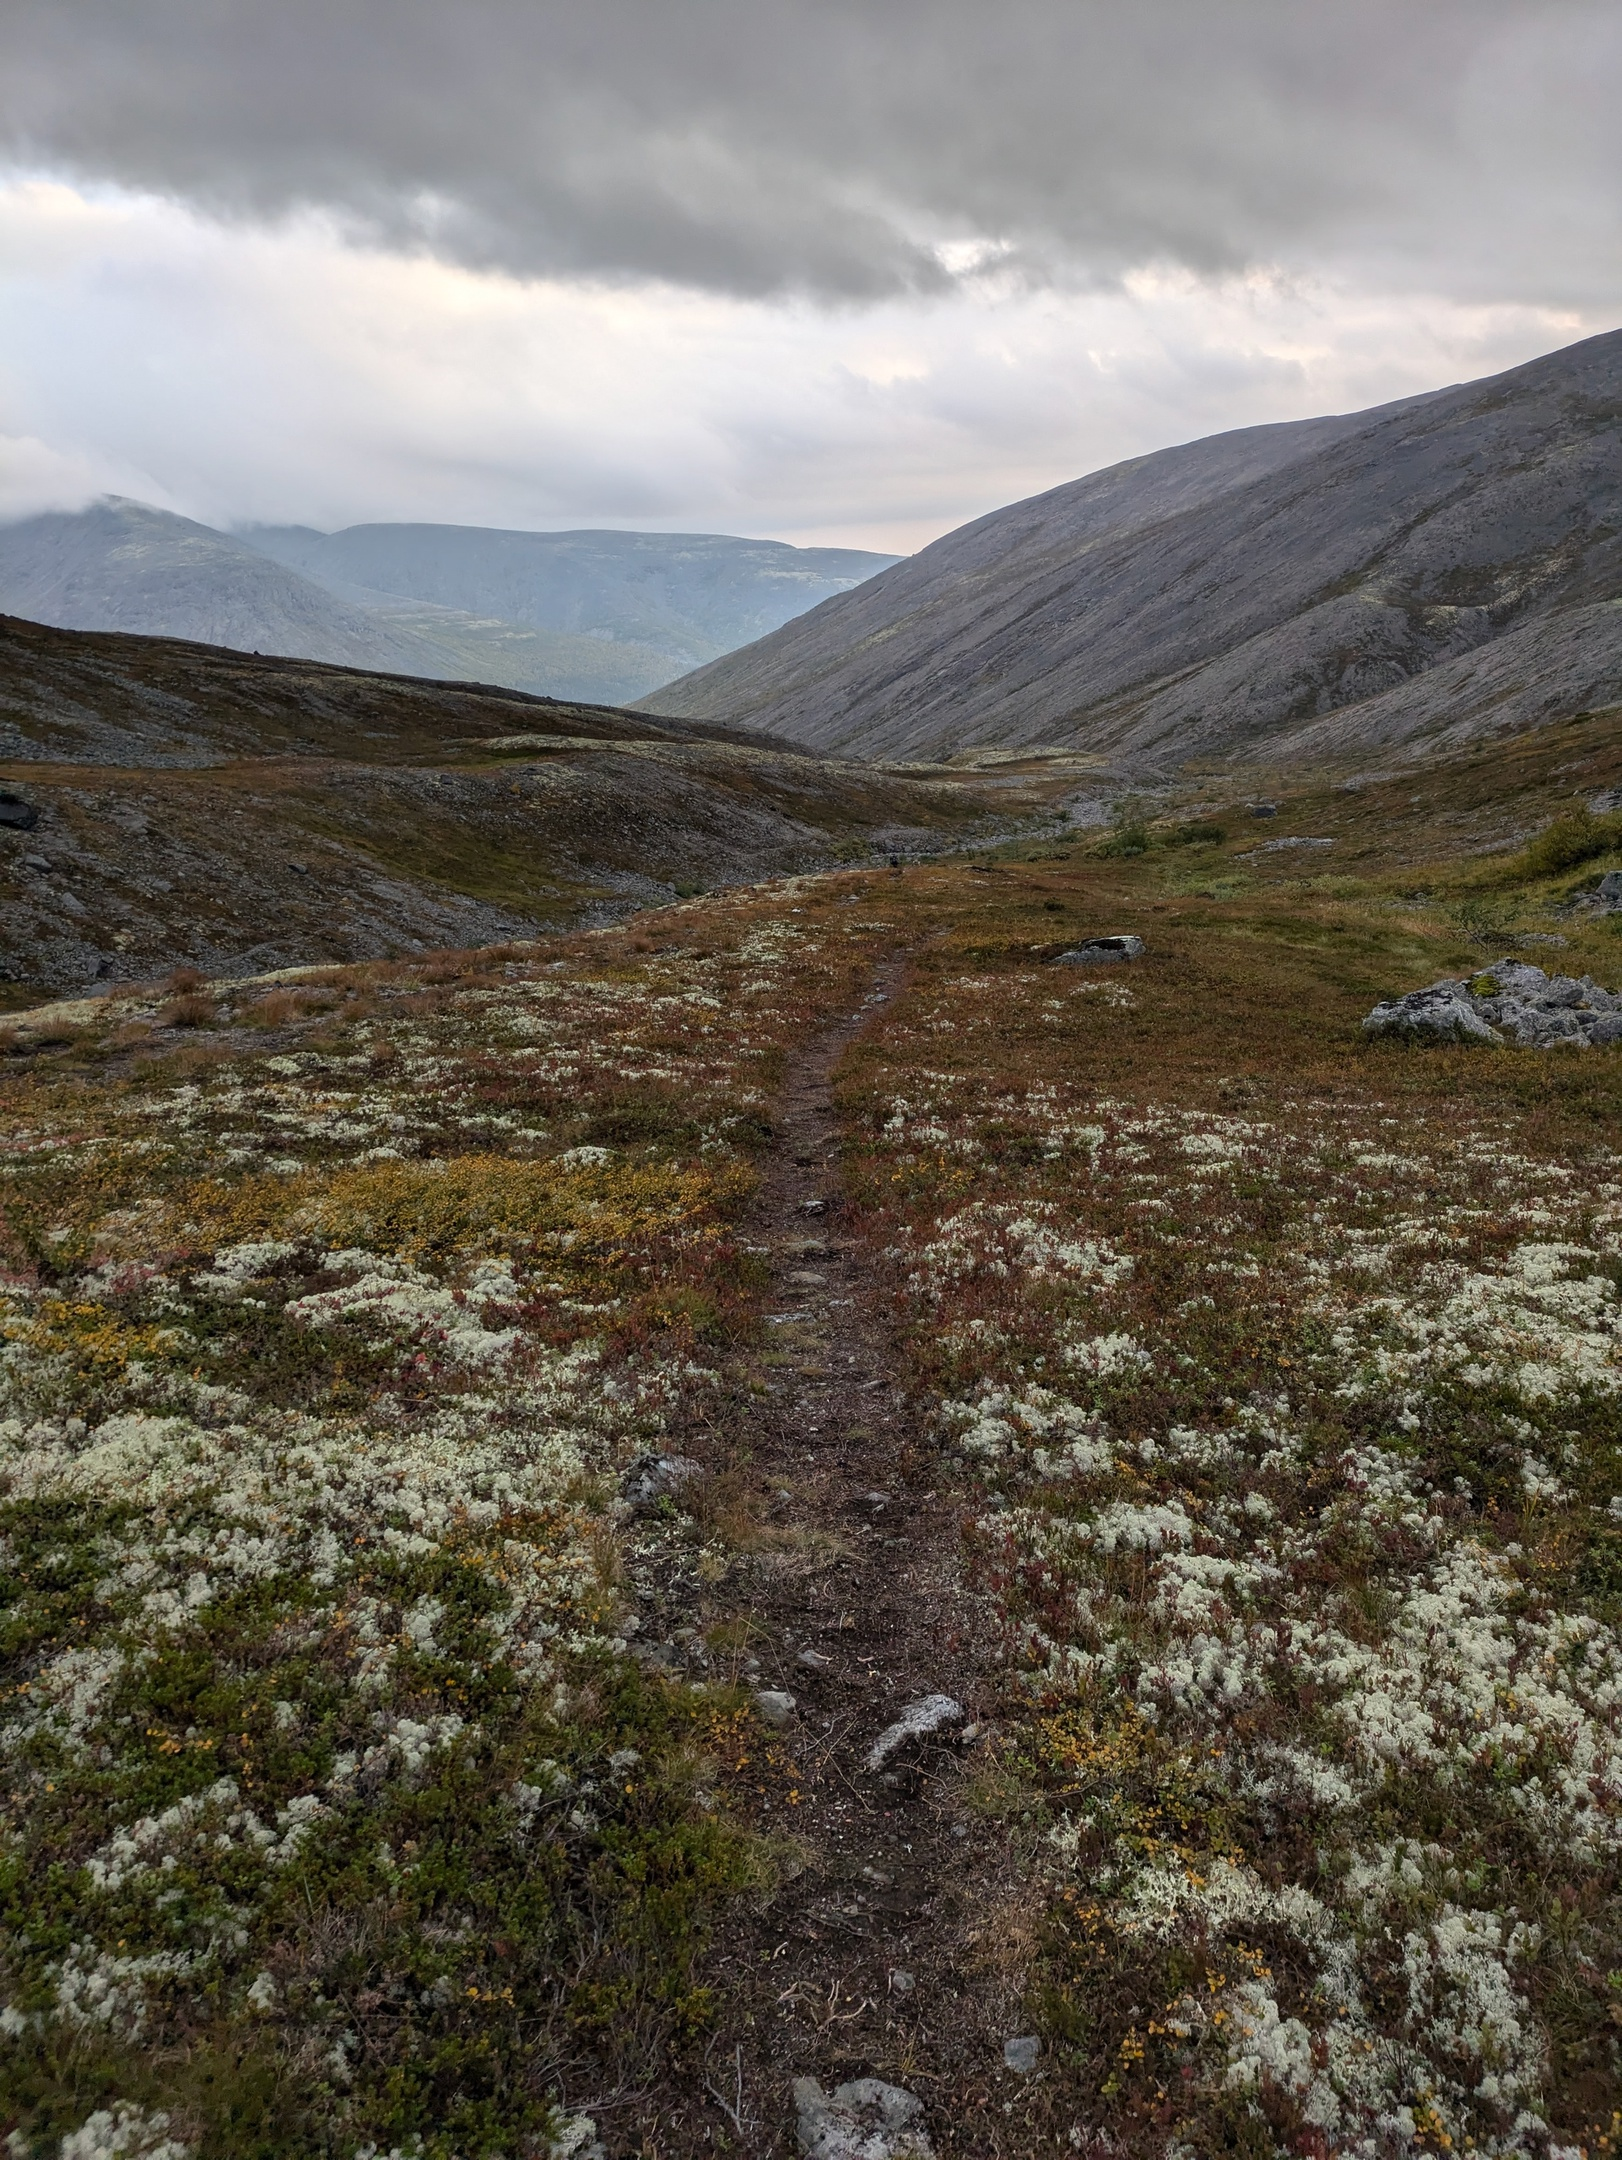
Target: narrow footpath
{"x": 894, "y": 1946}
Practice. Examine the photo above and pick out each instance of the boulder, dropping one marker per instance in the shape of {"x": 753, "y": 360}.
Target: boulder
{"x": 864, "y": 2120}
{"x": 1511, "y": 1001}
{"x": 1442, "y": 1012}
{"x": 1101, "y": 951}
{"x": 15, "y": 812}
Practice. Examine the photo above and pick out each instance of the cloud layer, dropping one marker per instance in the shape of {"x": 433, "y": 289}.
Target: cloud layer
{"x": 855, "y": 149}
{"x": 839, "y": 270}
{"x": 290, "y": 375}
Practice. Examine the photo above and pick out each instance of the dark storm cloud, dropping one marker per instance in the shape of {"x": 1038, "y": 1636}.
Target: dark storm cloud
{"x": 833, "y": 146}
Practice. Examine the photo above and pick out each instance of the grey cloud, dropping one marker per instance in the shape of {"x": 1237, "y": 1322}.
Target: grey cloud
{"x": 833, "y": 146}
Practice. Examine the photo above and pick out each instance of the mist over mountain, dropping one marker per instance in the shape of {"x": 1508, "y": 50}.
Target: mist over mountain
{"x": 1344, "y": 579}
{"x": 603, "y": 616}
{"x": 688, "y": 595}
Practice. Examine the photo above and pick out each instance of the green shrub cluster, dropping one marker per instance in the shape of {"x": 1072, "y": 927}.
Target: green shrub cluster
{"x": 1577, "y": 838}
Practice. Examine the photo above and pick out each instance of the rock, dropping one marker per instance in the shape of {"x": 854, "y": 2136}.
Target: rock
{"x": 1442, "y": 1012}
{"x": 864, "y": 2120}
{"x": 776, "y": 1705}
{"x": 1608, "y": 892}
{"x": 902, "y": 1983}
{"x": 652, "y": 1478}
{"x": 1264, "y": 809}
{"x": 814, "y": 1660}
{"x": 1100, "y": 951}
{"x": 15, "y": 812}
{"x": 928, "y": 1715}
{"x": 575, "y": 2139}
{"x": 1509, "y": 1001}
{"x": 1021, "y": 2054}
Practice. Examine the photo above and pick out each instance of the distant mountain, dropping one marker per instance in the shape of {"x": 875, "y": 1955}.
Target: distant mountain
{"x": 683, "y": 596}
{"x": 1312, "y": 580}
{"x": 122, "y": 565}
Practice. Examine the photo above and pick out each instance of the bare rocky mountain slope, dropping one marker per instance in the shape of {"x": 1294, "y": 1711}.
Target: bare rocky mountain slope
{"x": 242, "y": 813}
{"x": 1370, "y": 578}
{"x": 602, "y": 616}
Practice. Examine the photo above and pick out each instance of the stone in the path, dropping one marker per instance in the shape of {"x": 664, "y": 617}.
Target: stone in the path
{"x": 1101, "y": 952}
{"x": 1021, "y": 2054}
{"x": 864, "y": 2120}
{"x": 928, "y": 1715}
{"x": 776, "y": 1705}
{"x": 652, "y": 1478}
{"x": 815, "y": 1660}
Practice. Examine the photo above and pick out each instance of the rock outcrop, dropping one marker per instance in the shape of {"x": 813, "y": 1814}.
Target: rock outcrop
{"x": 1511, "y": 1001}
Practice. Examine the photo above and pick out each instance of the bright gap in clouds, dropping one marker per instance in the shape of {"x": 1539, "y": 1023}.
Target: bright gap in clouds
{"x": 289, "y": 374}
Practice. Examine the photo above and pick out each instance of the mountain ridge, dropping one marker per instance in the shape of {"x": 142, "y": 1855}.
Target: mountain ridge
{"x": 125, "y": 566}
{"x": 1208, "y": 599}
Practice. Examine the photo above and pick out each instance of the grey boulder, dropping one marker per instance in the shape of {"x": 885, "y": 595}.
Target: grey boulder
{"x": 1511, "y": 1001}
{"x": 1102, "y": 951}
{"x": 864, "y": 2120}
{"x": 1442, "y": 1012}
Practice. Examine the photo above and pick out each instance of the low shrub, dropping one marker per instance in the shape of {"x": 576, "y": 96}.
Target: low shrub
{"x": 186, "y": 1012}
{"x": 1571, "y": 840}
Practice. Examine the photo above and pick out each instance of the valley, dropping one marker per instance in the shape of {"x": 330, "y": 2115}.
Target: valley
{"x": 498, "y": 1438}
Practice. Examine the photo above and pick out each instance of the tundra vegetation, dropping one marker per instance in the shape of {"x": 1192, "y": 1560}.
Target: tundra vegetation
{"x": 1279, "y": 1373}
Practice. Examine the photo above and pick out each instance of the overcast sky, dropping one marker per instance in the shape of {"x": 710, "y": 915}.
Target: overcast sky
{"x": 833, "y": 270}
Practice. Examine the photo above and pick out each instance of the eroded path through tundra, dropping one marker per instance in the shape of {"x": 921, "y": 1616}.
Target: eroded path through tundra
{"x": 889, "y": 1945}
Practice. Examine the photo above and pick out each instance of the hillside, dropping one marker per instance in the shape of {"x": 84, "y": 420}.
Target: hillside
{"x": 601, "y": 616}
{"x": 240, "y": 813}
{"x": 798, "y": 1525}
{"x": 1204, "y": 602}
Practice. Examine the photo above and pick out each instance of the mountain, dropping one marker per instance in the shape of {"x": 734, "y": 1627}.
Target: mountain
{"x": 176, "y": 803}
{"x": 605, "y": 621}
{"x": 122, "y": 565}
{"x": 1211, "y": 599}
{"x": 684, "y": 597}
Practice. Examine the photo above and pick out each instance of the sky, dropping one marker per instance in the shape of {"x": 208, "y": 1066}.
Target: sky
{"x": 838, "y": 272}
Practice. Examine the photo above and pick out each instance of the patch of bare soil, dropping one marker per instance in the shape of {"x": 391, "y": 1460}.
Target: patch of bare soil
{"x": 895, "y": 1940}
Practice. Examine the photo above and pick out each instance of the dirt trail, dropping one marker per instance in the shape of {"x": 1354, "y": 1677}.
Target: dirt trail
{"x": 894, "y": 1952}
